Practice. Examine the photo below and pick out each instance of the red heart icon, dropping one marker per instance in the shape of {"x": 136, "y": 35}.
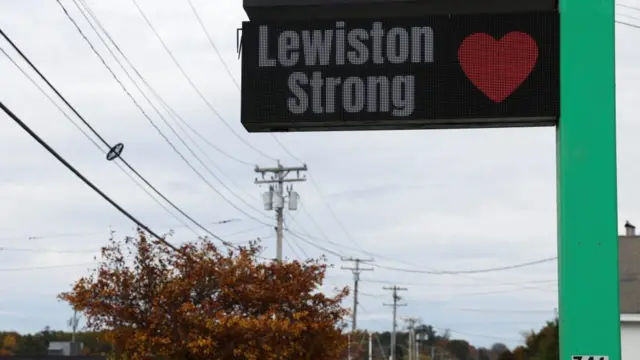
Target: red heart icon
{"x": 498, "y": 67}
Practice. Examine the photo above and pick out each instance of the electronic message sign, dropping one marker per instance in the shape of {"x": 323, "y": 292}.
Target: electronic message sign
{"x": 448, "y": 71}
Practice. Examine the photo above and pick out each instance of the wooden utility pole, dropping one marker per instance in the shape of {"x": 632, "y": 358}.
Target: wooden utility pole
{"x": 395, "y": 306}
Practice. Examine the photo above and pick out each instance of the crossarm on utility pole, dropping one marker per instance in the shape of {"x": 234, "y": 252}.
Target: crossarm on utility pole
{"x": 277, "y": 191}
{"x": 280, "y": 169}
{"x": 259, "y": 182}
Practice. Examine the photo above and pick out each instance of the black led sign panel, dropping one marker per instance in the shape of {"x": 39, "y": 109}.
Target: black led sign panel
{"x": 401, "y": 73}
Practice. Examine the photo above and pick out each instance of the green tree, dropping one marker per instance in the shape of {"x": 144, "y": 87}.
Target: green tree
{"x": 543, "y": 345}
{"x": 520, "y": 353}
{"x": 428, "y": 333}
{"x": 484, "y": 354}
{"x": 460, "y": 349}
{"x": 499, "y": 348}
{"x": 400, "y": 352}
{"x": 506, "y": 355}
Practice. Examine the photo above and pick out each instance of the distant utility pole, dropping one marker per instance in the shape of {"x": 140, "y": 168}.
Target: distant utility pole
{"x": 356, "y": 279}
{"x": 73, "y": 323}
{"x": 411, "y": 325}
{"x": 274, "y": 199}
{"x": 395, "y": 305}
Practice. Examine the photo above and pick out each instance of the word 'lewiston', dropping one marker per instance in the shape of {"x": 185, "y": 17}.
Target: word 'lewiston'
{"x": 355, "y": 47}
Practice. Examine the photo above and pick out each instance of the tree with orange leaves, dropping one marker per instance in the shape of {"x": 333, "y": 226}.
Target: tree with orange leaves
{"x": 9, "y": 342}
{"x": 204, "y": 302}
{"x": 8, "y": 345}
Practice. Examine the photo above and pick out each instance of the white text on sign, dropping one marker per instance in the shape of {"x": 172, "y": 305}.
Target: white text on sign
{"x": 312, "y": 91}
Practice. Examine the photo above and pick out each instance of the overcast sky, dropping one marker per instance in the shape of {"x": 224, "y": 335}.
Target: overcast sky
{"x": 446, "y": 200}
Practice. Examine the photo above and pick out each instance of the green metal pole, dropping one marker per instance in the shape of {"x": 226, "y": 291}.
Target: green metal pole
{"x": 587, "y": 185}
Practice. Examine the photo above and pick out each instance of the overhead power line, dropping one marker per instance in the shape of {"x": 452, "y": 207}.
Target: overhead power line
{"x": 213, "y": 44}
{"x": 51, "y": 236}
{"x": 313, "y": 242}
{"x": 420, "y": 271}
{"x": 105, "y": 152}
{"x": 313, "y": 221}
{"x": 629, "y": 7}
{"x": 430, "y": 271}
{"x": 94, "y": 233}
{"x": 71, "y": 168}
{"x": 505, "y": 311}
{"x": 336, "y": 218}
{"x": 236, "y": 83}
{"x": 325, "y": 238}
{"x": 28, "y": 268}
{"x": 294, "y": 244}
{"x": 179, "y": 121}
{"x": 231, "y": 76}
{"x": 193, "y": 85}
{"x": 628, "y": 24}
{"x": 153, "y": 124}
{"x": 285, "y": 149}
{"x": 475, "y": 271}
{"x": 32, "y": 250}
{"x": 449, "y": 285}
{"x": 164, "y": 104}
{"x": 629, "y": 16}
{"x": 329, "y": 251}
{"x": 84, "y": 121}
{"x": 83, "y": 178}
{"x": 453, "y": 294}
{"x": 84, "y": 8}
{"x": 294, "y": 251}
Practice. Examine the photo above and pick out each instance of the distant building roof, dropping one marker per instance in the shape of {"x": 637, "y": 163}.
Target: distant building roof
{"x": 66, "y": 348}
{"x": 629, "y": 255}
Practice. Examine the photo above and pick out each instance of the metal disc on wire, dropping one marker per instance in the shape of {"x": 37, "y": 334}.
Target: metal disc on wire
{"x": 115, "y": 151}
